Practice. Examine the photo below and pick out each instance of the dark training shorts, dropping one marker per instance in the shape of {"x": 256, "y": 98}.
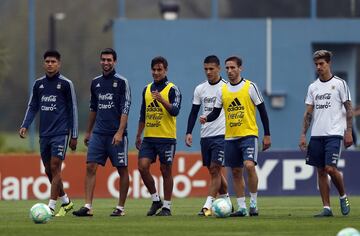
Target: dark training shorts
{"x": 239, "y": 150}
{"x": 101, "y": 147}
{"x": 54, "y": 146}
{"x": 324, "y": 151}
{"x": 165, "y": 151}
{"x": 212, "y": 150}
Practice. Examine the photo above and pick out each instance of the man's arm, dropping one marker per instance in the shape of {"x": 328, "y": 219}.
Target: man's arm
{"x": 265, "y": 121}
{"x": 139, "y": 133}
{"x": 91, "y": 122}
{"x": 32, "y": 109}
{"x": 125, "y": 108}
{"x": 118, "y": 137}
{"x": 306, "y": 124}
{"x": 192, "y": 118}
{"x": 191, "y": 123}
{"x": 143, "y": 107}
{"x": 141, "y": 121}
{"x": 72, "y": 102}
{"x": 348, "y": 139}
{"x": 214, "y": 114}
{"x": 173, "y": 106}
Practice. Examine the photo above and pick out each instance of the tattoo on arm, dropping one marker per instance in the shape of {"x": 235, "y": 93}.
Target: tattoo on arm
{"x": 349, "y": 114}
{"x": 307, "y": 121}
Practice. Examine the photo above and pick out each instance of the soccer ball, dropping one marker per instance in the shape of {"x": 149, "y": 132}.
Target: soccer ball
{"x": 348, "y": 232}
{"x": 221, "y": 208}
{"x": 40, "y": 213}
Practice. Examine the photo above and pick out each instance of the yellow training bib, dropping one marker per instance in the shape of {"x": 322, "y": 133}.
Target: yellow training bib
{"x": 158, "y": 122}
{"x": 240, "y": 112}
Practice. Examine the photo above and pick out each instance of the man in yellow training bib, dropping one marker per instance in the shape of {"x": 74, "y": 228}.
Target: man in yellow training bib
{"x": 239, "y": 98}
{"x": 160, "y": 106}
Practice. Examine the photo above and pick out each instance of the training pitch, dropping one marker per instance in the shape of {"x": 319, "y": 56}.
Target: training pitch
{"x": 278, "y": 216}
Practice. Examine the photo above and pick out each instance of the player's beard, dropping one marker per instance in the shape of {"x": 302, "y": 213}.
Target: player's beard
{"x": 107, "y": 69}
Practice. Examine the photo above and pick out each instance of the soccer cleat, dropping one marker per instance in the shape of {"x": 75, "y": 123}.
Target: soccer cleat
{"x": 164, "y": 212}
{"x": 205, "y": 212}
{"x": 83, "y": 211}
{"x": 52, "y": 212}
{"x": 240, "y": 213}
{"x": 345, "y": 206}
{"x": 155, "y": 206}
{"x": 117, "y": 212}
{"x": 253, "y": 210}
{"x": 325, "y": 213}
{"x": 65, "y": 208}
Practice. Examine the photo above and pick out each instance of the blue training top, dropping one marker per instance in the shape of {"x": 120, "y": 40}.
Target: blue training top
{"x": 56, "y": 99}
{"x": 110, "y": 98}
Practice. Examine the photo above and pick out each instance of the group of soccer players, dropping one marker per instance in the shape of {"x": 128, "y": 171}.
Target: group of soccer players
{"x": 229, "y": 132}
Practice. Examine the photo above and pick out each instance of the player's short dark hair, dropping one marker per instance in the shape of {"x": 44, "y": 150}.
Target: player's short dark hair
{"x": 212, "y": 59}
{"x": 52, "y": 53}
{"x": 109, "y": 51}
{"x": 236, "y": 59}
{"x": 159, "y": 60}
{"x": 322, "y": 54}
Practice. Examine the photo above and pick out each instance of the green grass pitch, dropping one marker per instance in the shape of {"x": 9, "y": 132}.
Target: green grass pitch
{"x": 278, "y": 216}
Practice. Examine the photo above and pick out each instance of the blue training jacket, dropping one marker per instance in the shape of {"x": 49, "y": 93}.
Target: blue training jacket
{"x": 55, "y": 98}
{"x": 110, "y": 98}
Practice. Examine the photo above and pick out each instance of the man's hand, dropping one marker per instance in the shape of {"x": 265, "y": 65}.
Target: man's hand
{"x": 73, "y": 144}
{"x": 188, "y": 140}
{"x": 202, "y": 119}
{"x": 138, "y": 142}
{"x": 22, "y": 132}
{"x": 266, "y": 142}
{"x": 302, "y": 143}
{"x": 157, "y": 96}
{"x": 348, "y": 139}
{"x": 87, "y": 138}
{"x": 118, "y": 138}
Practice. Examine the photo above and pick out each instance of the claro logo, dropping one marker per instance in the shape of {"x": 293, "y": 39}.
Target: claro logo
{"x": 14, "y": 188}
{"x": 183, "y": 181}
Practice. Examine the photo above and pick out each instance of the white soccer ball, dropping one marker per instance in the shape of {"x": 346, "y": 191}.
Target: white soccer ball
{"x": 221, "y": 208}
{"x": 40, "y": 213}
{"x": 348, "y": 232}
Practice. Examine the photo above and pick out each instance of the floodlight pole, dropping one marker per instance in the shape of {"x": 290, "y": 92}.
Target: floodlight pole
{"x": 313, "y": 9}
{"x": 214, "y": 9}
{"x": 121, "y": 5}
{"x": 31, "y": 60}
{"x": 52, "y": 32}
{"x": 52, "y": 28}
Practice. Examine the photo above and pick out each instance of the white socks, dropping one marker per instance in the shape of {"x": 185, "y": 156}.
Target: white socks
{"x": 209, "y": 201}
{"x": 52, "y": 204}
{"x": 241, "y": 202}
{"x": 121, "y": 208}
{"x": 88, "y": 206}
{"x": 253, "y": 197}
{"x": 167, "y": 204}
{"x": 65, "y": 199}
{"x": 155, "y": 197}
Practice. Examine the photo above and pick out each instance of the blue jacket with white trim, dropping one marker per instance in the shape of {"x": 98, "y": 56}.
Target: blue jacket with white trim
{"x": 110, "y": 98}
{"x": 55, "y": 99}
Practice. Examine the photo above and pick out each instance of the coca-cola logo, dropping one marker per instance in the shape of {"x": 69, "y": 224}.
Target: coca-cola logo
{"x": 51, "y": 98}
{"x": 325, "y": 96}
{"x": 106, "y": 97}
